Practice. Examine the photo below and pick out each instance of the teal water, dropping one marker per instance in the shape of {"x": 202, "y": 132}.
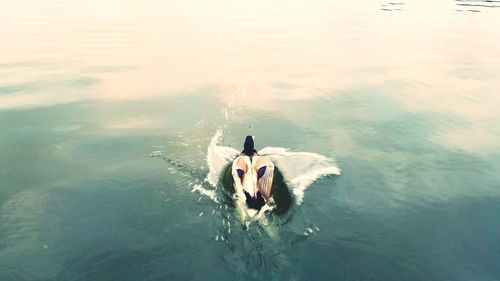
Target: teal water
{"x": 107, "y": 110}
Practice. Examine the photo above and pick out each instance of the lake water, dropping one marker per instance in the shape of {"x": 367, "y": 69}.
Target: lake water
{"x": 108, "y": 108}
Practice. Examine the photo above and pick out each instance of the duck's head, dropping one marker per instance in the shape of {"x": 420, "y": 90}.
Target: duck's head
{"x": 249, "y": 146}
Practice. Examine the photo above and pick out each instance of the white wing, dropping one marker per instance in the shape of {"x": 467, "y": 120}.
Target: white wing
{"x": 300, "y": 168}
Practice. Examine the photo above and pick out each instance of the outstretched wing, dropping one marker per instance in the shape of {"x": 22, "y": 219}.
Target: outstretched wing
{"x": 265, "y": 171}
{"x": 300, "y": 169}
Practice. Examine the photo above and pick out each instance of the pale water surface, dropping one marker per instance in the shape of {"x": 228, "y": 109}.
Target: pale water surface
{"x": 108, "y": 110}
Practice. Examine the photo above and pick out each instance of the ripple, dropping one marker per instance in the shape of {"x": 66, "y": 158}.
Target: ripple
{"x": 391, "y": 6}
{"x": 476, "y": 5}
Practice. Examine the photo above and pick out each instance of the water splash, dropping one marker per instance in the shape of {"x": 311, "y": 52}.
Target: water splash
{"x": 218, "y": 157}
{"x": 206, "y": 192}
{"x": 300, "y": 169}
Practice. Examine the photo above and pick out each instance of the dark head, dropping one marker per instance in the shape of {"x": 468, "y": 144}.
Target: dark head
{"x": 248, "y": 147}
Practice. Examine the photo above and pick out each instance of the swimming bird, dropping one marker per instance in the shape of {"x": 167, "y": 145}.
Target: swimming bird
{"x": 253, "y": 179}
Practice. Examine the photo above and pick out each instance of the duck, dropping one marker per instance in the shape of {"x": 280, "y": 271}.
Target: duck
{"x": 253, "y": 179}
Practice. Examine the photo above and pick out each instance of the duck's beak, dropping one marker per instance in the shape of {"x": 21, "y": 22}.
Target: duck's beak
{"x": 253, "y": 137}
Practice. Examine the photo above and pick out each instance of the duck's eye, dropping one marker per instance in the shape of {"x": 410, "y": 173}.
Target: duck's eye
{"x": 240, "y": 173}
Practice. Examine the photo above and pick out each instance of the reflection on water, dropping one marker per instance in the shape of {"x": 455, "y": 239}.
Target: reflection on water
{"x": 405, "y": 101}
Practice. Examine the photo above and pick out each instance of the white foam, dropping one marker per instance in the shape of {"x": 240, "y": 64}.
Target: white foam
{"x": 209, "y": 193}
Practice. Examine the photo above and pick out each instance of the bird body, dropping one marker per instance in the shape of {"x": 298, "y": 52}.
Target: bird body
{"x": 253, "y": 178}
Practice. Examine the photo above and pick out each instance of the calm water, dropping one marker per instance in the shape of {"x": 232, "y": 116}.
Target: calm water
{"x": 107, "y": 109}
